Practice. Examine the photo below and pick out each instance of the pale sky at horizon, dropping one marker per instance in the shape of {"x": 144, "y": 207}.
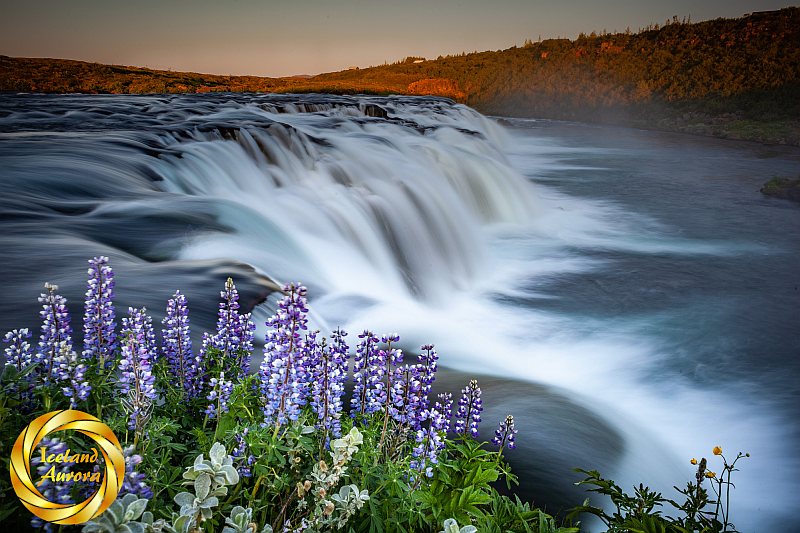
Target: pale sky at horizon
{"x": 282, "y": 38}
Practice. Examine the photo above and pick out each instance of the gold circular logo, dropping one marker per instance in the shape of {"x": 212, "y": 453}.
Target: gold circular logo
{"x": 60, "y": 513}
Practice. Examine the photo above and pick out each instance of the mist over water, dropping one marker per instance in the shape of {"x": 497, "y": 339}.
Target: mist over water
{"x": 627, "y": 295}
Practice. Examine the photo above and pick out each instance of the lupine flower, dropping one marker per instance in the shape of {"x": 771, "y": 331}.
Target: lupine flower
{"x": 429, "y": 442}
{"x": 136, "y": 367}
{"x": 328, "y": 374}
{"x": 55, "y": 340}
{"x": 428, "y": 358}
{"x": 219, "y": 396}
{"x": 53, "y": 492}
{"x": 71, "y": 373}
{"x": 284, "y": 382}
{"x": 134, "y": 482}
{"x": 242, "y": 458}
{"x": 368, "y": 370}
{"x": 19, "y": 352}
{"x": 504, "y": 434}
{"x": 444, "y": 406}
{"x": 406, "y": 406}
{"x": 388, "y": 359}
{"x": 235, "y": 332}
{"x": 177, "y": 346}
{"x": 99, "y": 327}
{"x": 468, "y": 415}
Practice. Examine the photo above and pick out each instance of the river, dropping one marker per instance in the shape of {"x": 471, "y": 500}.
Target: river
{"x": 629, "y": 295}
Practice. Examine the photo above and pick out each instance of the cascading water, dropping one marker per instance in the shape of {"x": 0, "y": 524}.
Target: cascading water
{"x": 406, "y": 214}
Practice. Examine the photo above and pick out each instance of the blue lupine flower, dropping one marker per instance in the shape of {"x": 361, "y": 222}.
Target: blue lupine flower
{"x": 136, "y": 367}
{"x": 177, "y": 345}
{"x": 468, "y": 415}
{"x": 19, "y": 352}
{"x": 406, "y": 406}
{"x": 55, "y": 342}
{"x": 218, "y": 396}
{"x": 283, "y": 373}
{"x": 504, "y": 434}
{"x": 134, "y": 482}
{"x": 235, "y": 332}
{"x": 368, "y": 370}
{"x": 328, "y": 374}
{"x": 243, "y": 459}
{"x": 99, "y": 327}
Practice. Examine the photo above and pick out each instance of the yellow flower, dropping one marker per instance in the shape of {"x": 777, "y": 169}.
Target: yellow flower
{"x": 710, "y": 474}
{"x": 693, "y": 461}
{"x": 717, "y": 450}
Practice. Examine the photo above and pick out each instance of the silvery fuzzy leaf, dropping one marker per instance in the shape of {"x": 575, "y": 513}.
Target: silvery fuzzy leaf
{"x": 116, "y": 511}
{"x": 307, "y": 430}
{"x": 206, "y": 513}
{"x": 209, "y": 502}
{"x": 92, "y": 527}
{"x": 219, "y": 491}
{"x": 183, "y": 523}
{"x": 267, "y": 529}
{"x": 135, "y": 508}
{"x": 128, "y": 499}
{"x": 202, "y": 486}
{"x": 133, "y": 527}
{"x": 468, "y": 529}
{"x": 450, "y": 526}
{"x": 230, "y": 475}
{"x": 184, "y": 499}
{"x": 217, "y": 454}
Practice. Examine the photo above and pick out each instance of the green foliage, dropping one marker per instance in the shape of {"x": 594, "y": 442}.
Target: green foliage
{"x": 641, "y": 512}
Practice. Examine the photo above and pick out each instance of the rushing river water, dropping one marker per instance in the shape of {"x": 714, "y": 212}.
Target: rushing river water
{"x": 629, "y": 296}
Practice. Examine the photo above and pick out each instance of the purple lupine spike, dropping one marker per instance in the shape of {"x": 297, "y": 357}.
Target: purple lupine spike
{"x": 71, "y": 374}
{"x": 430, "y": 440}
{"x": 406, "y": 406}
{"x": 388, "y": 359}
{"x": 504, "y": 434}
{"x": 134, "y": 482}
{"x": 55, "y": 340}
{"x": 368, "y": 371}
{"x": 18, "y": 352}
{"x": 328, "y": 375}
{"x": 243, "y": 459}
{"x": 136, "y": 368}
{"x": 444, "y": 405}
{"x": 235, "y": 332}
{"x": 283, "y": 374}
{"x": 428, "y": 360}
{"x": 220, "y": 394}
{"x": 468, "y": 415}
{"x": 177, "y": 345}
{"x": 99, "y": 327}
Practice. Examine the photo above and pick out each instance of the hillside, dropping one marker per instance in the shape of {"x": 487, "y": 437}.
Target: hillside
{"x": 737, "y": 78}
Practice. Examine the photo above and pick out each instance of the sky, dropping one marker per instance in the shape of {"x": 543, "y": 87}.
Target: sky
{"x": 284, "y": 38}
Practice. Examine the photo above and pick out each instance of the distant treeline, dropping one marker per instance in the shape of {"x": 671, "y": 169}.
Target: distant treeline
{"x": 736, "y": 78}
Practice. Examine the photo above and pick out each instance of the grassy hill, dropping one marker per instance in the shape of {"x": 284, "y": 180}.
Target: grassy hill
{"x": 737, "y": 78}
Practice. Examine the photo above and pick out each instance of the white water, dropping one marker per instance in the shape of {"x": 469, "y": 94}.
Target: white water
{"x": 421, "y": 233}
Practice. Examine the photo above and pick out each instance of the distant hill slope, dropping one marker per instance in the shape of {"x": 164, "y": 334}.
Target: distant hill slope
{"x": 737, "y": 78}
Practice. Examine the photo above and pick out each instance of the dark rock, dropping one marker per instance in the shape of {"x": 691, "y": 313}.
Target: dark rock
{"x": 786, "y": 188}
